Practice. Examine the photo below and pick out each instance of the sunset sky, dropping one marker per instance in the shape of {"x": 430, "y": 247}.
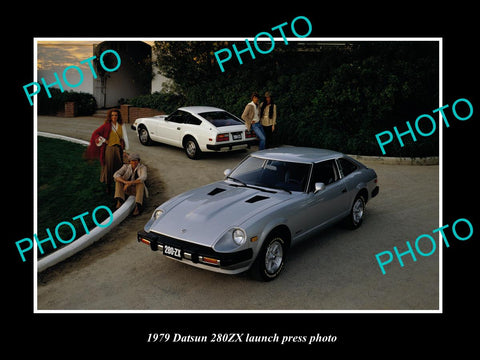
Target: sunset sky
{"x": 54, "y": 54}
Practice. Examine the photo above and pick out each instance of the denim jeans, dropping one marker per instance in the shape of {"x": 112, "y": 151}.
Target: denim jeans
{"x": 258, "y": 128}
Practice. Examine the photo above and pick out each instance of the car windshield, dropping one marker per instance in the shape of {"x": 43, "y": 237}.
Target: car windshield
{"x": 221, "y": 118}
{"x": 273, "y": 174}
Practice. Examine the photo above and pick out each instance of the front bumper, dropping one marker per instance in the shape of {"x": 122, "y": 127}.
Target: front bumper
{"x": 197, "y": 255}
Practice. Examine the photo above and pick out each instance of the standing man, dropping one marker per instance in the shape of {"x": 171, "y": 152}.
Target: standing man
{"x": 130, "y": 180}
{"x": 252, "y": 119}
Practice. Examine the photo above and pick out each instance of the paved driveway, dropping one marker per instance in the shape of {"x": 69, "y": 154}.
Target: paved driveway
{"x": 335, "y": 270}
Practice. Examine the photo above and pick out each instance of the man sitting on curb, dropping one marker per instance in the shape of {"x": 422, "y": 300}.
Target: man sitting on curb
{"x": 130, "y": 180}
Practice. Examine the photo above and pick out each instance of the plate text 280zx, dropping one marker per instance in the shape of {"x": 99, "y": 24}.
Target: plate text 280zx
{"x": 171, "y": 251}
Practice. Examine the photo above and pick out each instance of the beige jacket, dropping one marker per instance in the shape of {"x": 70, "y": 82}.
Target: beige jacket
{"x": 126, "y": 172}
{"x": 249, "y": 114}
{"x": 265, "y": 120}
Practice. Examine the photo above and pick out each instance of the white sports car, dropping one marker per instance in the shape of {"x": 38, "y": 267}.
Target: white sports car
{"x": 197, "y": 129}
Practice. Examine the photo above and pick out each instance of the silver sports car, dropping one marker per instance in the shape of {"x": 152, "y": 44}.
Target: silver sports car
{"x": 269, "y": 202}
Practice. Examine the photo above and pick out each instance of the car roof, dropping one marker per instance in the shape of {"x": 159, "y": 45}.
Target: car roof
{"x": 297, "y": 154}
{"x": 199, "y": 109}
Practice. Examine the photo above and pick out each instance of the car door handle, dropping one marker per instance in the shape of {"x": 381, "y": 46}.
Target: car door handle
{"x": 344, "y": 190}
{"x": 178, "y": 128}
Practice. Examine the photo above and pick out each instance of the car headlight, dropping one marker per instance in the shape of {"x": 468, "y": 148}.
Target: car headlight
{"x": 157, "y": 213}
{"x": 239, "y": 236}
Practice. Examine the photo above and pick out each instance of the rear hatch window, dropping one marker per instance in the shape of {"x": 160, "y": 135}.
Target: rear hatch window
{"x": 221, "y": 118}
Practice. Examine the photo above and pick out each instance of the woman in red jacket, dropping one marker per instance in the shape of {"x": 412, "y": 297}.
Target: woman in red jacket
{"x": 107, "y": 144}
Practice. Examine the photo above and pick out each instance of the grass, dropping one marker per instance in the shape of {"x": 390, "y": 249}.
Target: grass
{"x": 68, "y": 186}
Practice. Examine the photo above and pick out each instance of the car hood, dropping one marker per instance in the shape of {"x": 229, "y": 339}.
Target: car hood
{"x": 203, "y": 215}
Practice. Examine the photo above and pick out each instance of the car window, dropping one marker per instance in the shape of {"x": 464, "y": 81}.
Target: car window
{"x": 324, "y": 172}
{"x": 221, "y": 118}
{"x": 192, "y": 120}
{"x": 273, "y": 174}
{"x": 177, "y": 117}
{"x": 347, "y": 167}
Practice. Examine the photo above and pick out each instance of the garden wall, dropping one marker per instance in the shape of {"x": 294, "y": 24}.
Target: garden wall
{"x": 131, "y": 113}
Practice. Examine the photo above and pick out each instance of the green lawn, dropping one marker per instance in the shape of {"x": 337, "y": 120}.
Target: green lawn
{"x": 68, "y": 186}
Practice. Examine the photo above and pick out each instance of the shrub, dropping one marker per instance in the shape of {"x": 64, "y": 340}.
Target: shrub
{"x": 163, "y": 101}
{"x": 86, "y": 103}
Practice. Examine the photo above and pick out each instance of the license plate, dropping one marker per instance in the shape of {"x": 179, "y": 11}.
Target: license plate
{"x": 172, "y": 251}
{"x": 237, "y": 136}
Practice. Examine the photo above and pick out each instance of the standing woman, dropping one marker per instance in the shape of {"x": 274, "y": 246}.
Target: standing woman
{"x": 107, "y": 144}
{"x": 268, "y": 116}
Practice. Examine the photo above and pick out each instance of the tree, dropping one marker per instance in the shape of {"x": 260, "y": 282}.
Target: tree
{"x": 187, "y": 62}
{"x": 135, "y": 60}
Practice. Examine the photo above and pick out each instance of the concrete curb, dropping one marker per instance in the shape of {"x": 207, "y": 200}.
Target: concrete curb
{"x": 62, "y": 137}
{"x": 431, "y": 160}
{"x": 95, "y": 234}
{"x": 87, "y": 239}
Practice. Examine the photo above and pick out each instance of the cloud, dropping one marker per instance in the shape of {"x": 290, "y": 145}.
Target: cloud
{"x": 52, "y": 55}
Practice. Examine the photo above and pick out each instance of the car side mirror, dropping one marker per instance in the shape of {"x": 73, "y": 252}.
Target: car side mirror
{"x": 227, "y": 172}
{"x": 319, "y": 187}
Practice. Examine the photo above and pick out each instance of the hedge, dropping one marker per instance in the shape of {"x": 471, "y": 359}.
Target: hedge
{"x": 86, "y": 103}
{"x": 163, "y": 101}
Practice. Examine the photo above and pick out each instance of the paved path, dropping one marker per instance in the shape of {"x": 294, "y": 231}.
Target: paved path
{"x": 335, "y": 270}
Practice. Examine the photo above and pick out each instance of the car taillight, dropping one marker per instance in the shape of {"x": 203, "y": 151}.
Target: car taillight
{"x": 222, "y": 137}
{"x": 249, "y": 134}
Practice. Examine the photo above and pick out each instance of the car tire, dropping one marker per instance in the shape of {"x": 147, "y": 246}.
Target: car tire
{"x": 355, "y": 218}
{"x": 191, "y": 148}
{"x": 271, "y": 259}
{"x": 144, "y": 136}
